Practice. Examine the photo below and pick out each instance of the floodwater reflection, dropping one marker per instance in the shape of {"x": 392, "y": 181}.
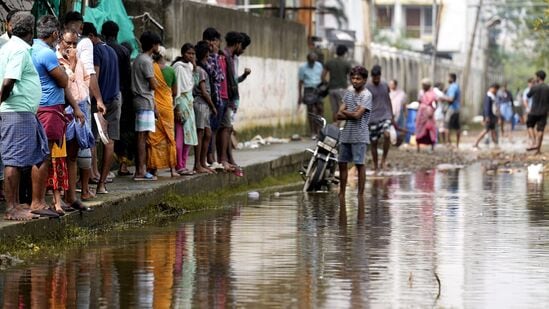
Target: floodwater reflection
{"x": 455, "y": 238}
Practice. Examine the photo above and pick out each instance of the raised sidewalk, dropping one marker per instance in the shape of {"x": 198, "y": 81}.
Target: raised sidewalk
{"x": 128, "y": 198}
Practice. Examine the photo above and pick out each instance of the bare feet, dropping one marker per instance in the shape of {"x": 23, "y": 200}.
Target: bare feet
{"x": 201, "y": 170}
{"x": 228, "y": 167}
{"x": 19, "y": 213}
{"x": 85, "y": 196}
{"x": 43, "y": 210}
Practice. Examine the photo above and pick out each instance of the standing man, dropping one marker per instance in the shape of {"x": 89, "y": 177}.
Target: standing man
{"x": 3, "y": 40}
{"x": 79, "y": 88}
{"x": 105, "y": 63}
{"x": 237, "y": 42}
{"x": 453, "y": 97}
{"x": 338, "y": 69}
{"x": 23, "y": 142}
{"x": 537, "y": 118}
{"x": 310, "y": 76}
{"x": 54, "y": 82}
{"x": 9, "y": 27}
{"x": 125, "y": 146}
{"x": 381, "y": 117}
{"x": 143, "y": 86}
{"x": 75, "y": 21}
{"x": 398, "y": 101}
{"x": 355, "y": 110}
{"x": 215, "y": 73}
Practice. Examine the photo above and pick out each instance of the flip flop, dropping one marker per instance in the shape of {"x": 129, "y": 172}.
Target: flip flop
{"x": 77, "y": 205}
{"x": 121, "y": 173}
{"x": 186, "y": 172}
{"x": 60, "y": 212}
{"x": 147, "y": 177}
{"x": 104, "y": 191}
{"x": 45, "y": 212}
{"x": 67, "y": 208}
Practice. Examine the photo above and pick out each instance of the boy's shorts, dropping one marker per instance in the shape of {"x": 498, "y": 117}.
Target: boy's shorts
{"x": 352, "y": 152}
{"x": 202, "y": 114}
{"x": 377, "y": 129}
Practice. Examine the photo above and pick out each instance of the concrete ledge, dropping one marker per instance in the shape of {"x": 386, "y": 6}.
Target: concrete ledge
{"x": 129, "y": 200}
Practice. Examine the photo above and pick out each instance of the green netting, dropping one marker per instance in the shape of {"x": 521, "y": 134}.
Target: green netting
{"x": 42, "y": 7}
{"x": 111, "y": 10}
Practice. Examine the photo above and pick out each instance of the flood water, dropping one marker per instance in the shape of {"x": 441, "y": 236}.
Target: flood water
{"x": 485, "y": 238}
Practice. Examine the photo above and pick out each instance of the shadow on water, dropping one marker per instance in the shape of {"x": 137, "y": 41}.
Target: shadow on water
{"x": 455, "y": 238}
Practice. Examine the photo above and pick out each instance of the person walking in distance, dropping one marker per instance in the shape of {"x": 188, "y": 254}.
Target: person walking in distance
{"x": 537, "y": 118}
{"x": 310, "y": 74}
{"x": 381, "y": 116}
{"x": 527, "y": 105}
{"x": 453, "y": 97}
{"x": 489, "y": 117}
{"x": 338, "y": 70}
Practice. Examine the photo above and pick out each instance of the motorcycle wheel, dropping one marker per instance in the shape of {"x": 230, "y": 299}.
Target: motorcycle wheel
{"x": 314, "y": 182}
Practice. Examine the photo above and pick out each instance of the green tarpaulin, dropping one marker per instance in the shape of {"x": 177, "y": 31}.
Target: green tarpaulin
{"x": 111, "y": 10}
{"x": 45, "y": 7}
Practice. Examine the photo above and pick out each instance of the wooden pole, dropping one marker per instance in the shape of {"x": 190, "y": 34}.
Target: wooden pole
{"x": 366, "y": 9}
{"x": 467, "y": 69}
{"x": 437, "y": 12}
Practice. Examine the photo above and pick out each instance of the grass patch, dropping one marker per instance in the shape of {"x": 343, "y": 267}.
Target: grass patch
{"x": 177, "y": 203}
{"x": 173, "y": 206}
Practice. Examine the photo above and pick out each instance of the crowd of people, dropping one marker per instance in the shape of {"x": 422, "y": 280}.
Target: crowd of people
{"x": 76, "y": 89}
{"x": 371, "y": 109}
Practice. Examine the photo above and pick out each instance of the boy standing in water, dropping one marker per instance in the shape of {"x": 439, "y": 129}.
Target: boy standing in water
{"x": 354, "y": 138}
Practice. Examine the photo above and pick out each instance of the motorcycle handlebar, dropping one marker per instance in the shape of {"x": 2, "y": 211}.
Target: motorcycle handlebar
{"x": 319, "y": 118}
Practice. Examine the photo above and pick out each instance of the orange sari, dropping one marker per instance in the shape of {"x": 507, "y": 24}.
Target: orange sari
{"x": 161, "y": 152}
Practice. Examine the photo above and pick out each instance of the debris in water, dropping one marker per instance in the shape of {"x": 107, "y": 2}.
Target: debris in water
{"x": 254, "y": 195}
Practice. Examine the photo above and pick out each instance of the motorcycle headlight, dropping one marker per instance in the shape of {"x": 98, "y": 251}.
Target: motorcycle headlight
{"x": 332, "y": 142}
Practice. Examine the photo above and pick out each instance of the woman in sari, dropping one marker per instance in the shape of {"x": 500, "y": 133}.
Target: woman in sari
{"x": 426, "y": 132}
{"x": 161, "y": 143}
{"x": 185, "y": 127}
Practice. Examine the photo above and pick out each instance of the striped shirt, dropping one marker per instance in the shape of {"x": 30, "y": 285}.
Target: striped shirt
{"x": 356, "y": 131}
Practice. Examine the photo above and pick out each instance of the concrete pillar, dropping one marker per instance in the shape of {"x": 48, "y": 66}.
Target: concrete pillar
{"x": 397, "y": 19}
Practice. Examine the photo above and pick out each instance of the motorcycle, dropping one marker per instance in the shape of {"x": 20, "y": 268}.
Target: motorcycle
{"x": 319, "y": 174}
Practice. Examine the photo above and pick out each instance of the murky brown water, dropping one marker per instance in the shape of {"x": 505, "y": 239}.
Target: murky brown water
{"x": 485, "y": 237}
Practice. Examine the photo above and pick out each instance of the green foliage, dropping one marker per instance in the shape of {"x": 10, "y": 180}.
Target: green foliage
{"x": 399, "y": 42}
{"x": 528, "y": 27}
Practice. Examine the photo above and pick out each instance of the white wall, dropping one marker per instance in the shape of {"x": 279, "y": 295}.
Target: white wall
{"x": 269, "y": 95}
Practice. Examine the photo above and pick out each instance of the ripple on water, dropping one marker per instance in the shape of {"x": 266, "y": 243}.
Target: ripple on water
{"x": 485, "y": 238}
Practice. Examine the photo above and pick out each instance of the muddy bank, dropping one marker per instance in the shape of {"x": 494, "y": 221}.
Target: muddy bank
{"x": 407, "y": 159}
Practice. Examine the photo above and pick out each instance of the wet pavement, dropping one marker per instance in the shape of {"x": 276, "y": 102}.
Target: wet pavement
{"x": 124, "y": 188}
{"x": 451, "y": 238}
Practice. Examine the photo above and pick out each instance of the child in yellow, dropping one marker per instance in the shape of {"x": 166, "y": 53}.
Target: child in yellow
{"x": 58, "y": 180}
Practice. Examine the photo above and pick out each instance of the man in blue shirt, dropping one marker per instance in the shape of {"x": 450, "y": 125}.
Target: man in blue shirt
{"x": 453, "y": 97}
{"x": 54, "y": 82}
{"x": 310, "y": 76}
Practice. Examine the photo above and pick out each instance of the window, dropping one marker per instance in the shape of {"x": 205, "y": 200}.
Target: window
{"x": 384, "y": 17}
{"x": 419, "y": 21}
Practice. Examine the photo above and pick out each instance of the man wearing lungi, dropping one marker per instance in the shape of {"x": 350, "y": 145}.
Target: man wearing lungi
{"x": 51, "y": 111}
{"x": 22, "y": 139}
